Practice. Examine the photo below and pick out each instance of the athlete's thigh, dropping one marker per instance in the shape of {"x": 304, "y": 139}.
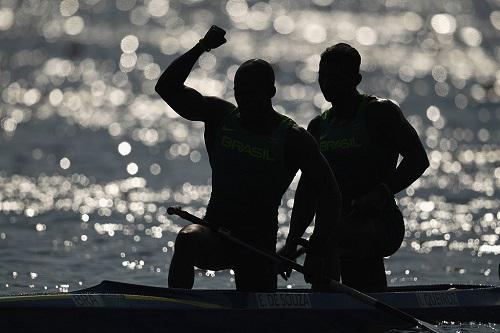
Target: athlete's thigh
{"x": 253, "y": 272}
{"x": 390, "y": 231}
{"x": 364, "y": 274}
{"x": 213, "y": 252}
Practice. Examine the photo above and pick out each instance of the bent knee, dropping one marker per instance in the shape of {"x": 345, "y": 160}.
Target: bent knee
{"x": 190, "y": 236}
{"x": 192, "y": 229}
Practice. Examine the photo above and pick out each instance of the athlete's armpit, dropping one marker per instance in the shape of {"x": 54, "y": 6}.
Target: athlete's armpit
{"x": 192, "y": 105}
{"x": 313, "y": 127}
{"x": 406, "y": 142}
{"x": 395, "y": 130}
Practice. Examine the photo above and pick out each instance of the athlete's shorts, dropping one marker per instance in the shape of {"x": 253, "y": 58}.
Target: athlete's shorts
{"x": 362, "y": 243}
{"x": 378, "y": 234}
{"x": 253, "y": 272}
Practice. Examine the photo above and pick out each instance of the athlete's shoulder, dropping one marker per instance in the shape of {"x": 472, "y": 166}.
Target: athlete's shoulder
{"x": 316, "y": 120}
{"x": 287, "y": 122}
{"x": 218, "y": 108}
{"x": 215, "y": 101}
{"x": 383, "y": 108}
{"x": 315, "y": 124}
{"x": 383, "y": 104}
{"x": 299, "y": 137}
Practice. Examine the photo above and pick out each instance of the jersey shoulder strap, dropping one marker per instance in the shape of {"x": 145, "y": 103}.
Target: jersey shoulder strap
{"x": 286, "y": 123}
{"x": 365, "y": 100}
{"x": 230, "y": 118}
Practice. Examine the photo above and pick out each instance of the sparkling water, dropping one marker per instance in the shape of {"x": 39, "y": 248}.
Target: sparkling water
{"x": 91, "y": 157}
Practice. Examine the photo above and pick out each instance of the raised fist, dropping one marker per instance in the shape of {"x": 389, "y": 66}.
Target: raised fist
{"x": 213, "y": 38}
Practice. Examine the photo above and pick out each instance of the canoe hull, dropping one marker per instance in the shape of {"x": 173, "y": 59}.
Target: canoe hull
{"x": 119, "y": 307}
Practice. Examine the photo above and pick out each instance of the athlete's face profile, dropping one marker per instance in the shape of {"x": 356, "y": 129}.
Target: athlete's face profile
{"x": 249, "y": 96}
{"x": 252, "y": 89}
{"x": 338, "y": 81}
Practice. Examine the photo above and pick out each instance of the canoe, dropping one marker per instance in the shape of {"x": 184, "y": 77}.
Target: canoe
{"x": 121, "y": 307}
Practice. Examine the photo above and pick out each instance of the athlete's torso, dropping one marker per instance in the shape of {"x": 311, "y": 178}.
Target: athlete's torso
{"x": 250, "y": 174}
{"x": 355, "y": 149}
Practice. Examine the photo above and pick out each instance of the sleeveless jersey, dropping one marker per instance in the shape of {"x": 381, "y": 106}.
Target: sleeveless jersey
{"x": 249, "y": 175}
{"x": 357, "y": 159}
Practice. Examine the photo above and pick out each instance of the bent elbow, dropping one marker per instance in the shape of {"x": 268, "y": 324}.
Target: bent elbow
{"x": 165, "y": 90}
{"x": 425, "y": 162}
{"x": 159, "y": 88}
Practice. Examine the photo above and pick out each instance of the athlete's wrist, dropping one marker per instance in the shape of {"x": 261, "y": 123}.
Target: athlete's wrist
{"x": 204, "y": 45}
{"x": 292, "y": 241}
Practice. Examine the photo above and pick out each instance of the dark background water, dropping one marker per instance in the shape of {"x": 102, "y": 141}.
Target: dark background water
{"x": 90, "y": 157}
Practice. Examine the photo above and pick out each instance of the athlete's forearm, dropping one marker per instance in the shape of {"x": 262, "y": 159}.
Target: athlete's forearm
{"x": 304, "y": 208}
{"x": 176, "y": 74}
{"x": 409, "y": 170}
{"x": 328, "y": 213}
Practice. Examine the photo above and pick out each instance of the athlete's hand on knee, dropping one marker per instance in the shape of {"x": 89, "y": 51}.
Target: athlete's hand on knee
{"x": 375, "y": 199}
{"x": 213, "y": 38}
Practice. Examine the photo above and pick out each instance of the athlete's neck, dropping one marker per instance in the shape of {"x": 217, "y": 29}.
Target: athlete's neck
{"x": 347, "y": 106}
{"x": 263, "y": 122}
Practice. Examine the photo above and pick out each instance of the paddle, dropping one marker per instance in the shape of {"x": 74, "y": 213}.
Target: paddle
{"x": 337, "y": 286}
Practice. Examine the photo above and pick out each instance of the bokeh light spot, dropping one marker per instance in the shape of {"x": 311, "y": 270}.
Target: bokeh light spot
{"x": 158, "y": 8}
{"x": 433, "y": 113}
{"x": 366, "y": 36}
{"x": 195, "y": 156}
{"x": 64, "y": 163}
{"x": 129, "y": 44}
{"x": 283, "y": 24}
{"x": 412, "y": 21}
{"x": 471, "y": 36}
{"x": 128, "y": 60}
{"x": 74, "y": 25}
{"x": 124, "y": 148}
{"x": 443, "y": 23}
{"x": 68, "y": 7}
{"x": 315, "y": 33}
{"x": 139, "y": 16}
{"x": 6, "y": 18}
{"x": 495, "y": 19}
{"x": 152, "y": 71}
{"x": 237, "y": 8}
{"x": 155, "y": 169}
{"x": 132, "y": 168}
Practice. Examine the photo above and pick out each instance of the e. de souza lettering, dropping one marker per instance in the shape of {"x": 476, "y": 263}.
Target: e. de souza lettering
{"x": 268, "y": 300}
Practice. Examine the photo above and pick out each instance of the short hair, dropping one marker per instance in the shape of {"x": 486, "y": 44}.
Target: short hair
{"x": 257, "y": 71}
{"x": 340, "y": 53}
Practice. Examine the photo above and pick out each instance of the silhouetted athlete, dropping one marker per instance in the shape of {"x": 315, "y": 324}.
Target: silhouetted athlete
{"x": 362, "y": 137}
{"x": 254, "y": 153}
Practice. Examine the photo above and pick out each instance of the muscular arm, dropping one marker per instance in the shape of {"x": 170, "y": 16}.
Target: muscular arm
{"x": 304, "y": 208}
{"x": 317, "y": 192}
{"x": 406, "y": 141}
{"x": 188, "y": 102}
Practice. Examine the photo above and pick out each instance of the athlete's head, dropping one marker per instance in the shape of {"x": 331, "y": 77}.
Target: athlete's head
{"x": 339, "y": 71}
{"x": 254, "y": 86}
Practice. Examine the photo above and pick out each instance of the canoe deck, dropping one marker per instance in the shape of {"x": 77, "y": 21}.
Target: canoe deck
{"x": 115, "y": 306}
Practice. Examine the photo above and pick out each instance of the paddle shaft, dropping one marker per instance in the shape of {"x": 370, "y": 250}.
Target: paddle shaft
{"x": 337, "y": 286}
{"x": 226, "y": 233}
